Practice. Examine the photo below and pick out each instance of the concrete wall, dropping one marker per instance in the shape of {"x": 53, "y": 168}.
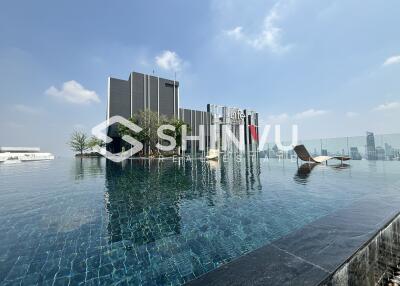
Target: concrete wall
{"x": 146, "y": 92}
{"x": 119, "y": 101}
{"x": 195, "y": 118}
{"x": 137, "y": 85}
{"x": 142, "y": 92}
{"x": 374, "y": 263}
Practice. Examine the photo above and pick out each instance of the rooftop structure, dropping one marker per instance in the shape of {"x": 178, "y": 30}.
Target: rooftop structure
{"x": 148, "y": 92}
{"x": 19, "y": 149}
{"x": 13, "y": 154}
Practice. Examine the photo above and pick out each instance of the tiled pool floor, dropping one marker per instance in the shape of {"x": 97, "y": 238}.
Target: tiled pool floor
{"x": 72, "y": 222}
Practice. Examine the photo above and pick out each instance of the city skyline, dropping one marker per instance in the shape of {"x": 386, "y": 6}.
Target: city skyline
{"x": 358, "y": 148}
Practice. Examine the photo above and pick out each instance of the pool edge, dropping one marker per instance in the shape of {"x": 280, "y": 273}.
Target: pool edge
{"x": 311, "y": 254}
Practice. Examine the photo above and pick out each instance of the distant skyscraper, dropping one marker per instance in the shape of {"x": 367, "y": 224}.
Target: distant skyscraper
{"x": 389, "y": 151}
{"x": 371, "y": 151}
{"x": 324, "y": 152}
{"x": 354, "y": 154}
{"x": 380, "y": 153}
{"x": 396, "y": 154}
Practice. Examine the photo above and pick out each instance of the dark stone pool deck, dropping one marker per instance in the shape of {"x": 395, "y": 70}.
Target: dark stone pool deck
{"x": 311, "y": 254}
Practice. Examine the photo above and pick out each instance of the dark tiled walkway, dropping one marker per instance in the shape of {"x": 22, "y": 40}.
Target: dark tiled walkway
{"x": 310, "y": 254}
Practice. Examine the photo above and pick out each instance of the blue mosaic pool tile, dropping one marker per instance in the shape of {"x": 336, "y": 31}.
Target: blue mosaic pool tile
{"x": 92, "y": 223}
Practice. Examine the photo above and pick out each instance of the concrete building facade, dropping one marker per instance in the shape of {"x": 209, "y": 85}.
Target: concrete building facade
{"x": 147, "y": 92}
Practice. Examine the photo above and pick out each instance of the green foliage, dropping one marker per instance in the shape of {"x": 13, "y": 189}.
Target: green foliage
{"x": 94, "y": 141}
{"x": 80, "y": 142}
{"x": 177, "y": 123}
{"x": 150, "y": 122}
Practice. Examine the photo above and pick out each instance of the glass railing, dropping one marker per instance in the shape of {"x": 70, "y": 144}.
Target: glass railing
{"x": 368, "y": 147}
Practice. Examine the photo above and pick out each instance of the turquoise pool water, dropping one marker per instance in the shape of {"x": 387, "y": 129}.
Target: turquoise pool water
{"x": 76, "y": 222}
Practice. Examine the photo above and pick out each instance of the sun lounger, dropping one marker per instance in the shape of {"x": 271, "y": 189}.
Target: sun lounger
{"x": 213, "y": 154}
{"x": 303, "y": 154}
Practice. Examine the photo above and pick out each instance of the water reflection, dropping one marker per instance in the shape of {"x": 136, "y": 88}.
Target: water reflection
{"x": 161, "y": 222}
{"x": 87, "y": 167}
{"x": 170, "y": 216}
{"x": 144, "y": 197}
{"x": 304, "y": 171}
{"x": 341, "y": 166}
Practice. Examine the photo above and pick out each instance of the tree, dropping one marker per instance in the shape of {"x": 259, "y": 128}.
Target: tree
{"x": 149, "y": 121}
{"x": 177, "y": 133}
{"x": 78, "y": 142}
{"x": 94, "y": 141}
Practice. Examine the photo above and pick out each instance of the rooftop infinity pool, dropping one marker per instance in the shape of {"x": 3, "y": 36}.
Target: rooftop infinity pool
{"x": 141, "y": 222}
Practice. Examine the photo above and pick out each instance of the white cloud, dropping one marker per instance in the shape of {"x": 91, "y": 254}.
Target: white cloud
{"x": 270, "y": 35}
{"x": 278, "y": 118}
{"x": 26, "y": 109}
{"x": 351, "y": 114}
{"x": 388, "y": 106}
{"x": 235, "y": 33}
{"x": 310, "y": 113}
{"x": 73, "y": 92}
{"x": 169, "y": 61}
{"x": 392, "y": 61}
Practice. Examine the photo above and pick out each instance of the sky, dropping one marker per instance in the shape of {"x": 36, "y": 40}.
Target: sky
{"x": 331, "y": 67}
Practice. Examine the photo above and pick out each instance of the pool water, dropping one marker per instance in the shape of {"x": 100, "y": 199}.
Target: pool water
{"x": 141, "y": 222}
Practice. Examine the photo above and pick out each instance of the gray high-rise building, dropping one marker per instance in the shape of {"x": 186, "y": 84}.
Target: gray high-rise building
{"x": 140, "y": 92}
{"x": 380, "y": 153}
{"x": 354, "y": 154}
{"x": 147, "y": 92}
{"x": 371, "y": 150}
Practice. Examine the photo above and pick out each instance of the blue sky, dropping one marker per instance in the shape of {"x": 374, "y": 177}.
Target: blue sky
{"x": 332, "y": 67}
